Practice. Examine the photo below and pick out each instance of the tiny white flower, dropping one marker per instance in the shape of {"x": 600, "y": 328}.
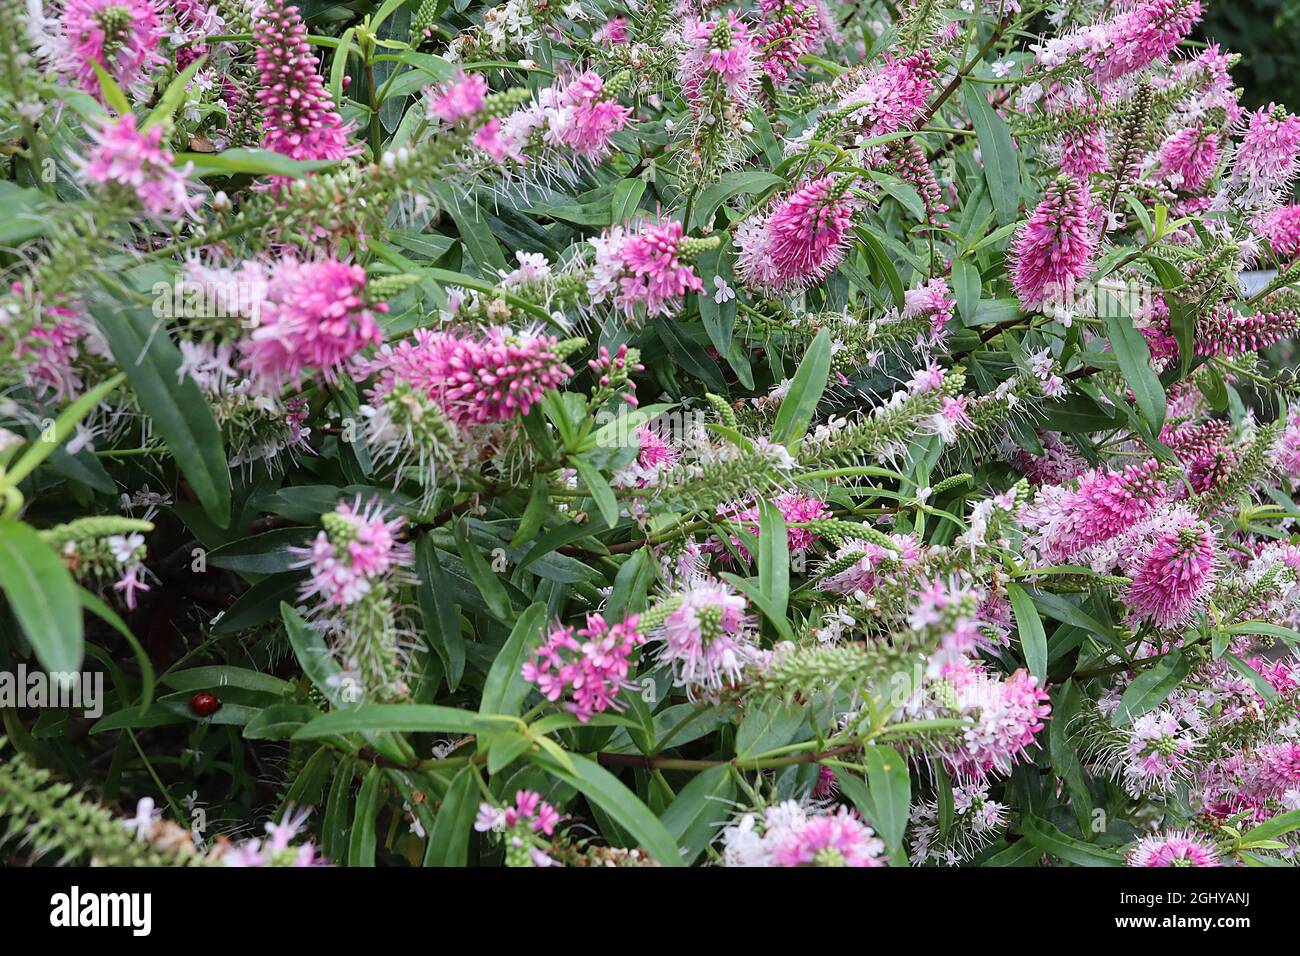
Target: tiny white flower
{"x": 724, "y": 292}
{"x": 1064, "y": 314}
{"x": 145, "y": 816}
{"x": 124, "y": 547}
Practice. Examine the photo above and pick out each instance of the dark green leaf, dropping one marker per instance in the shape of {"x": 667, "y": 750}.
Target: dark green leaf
{"x": 998, "y": 152}
{"x": 43, "y": 597}
{"x": 177, "y": 409}
{"x": 1033, "y": 640}
{"x": 699, "y": 810}
{"x": 505, "y": 688}
{"x": 441, "y": 616}
{"x": 800, "y": 402}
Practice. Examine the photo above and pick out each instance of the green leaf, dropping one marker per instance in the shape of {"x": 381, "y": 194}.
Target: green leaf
{"x": 966, "y": 288}
{"x": 598, "y": 488}
{"x": 719, "y": 318}
{"x": 699, "y": 811}
{"x": 177, "y": 409}
{"x": 43, "y": 596}
{"x": 334, "y": 827}
{"x": 1065, "y": 761}
{"x": 773, "y": 557}
{"x": 767, "y": 726}
{"x": 313, "y": 656}
{"x": 1264, "y": 627}
{"x": 1055, "y": 843}
{"x": 478, "y": 238}
{"x": 1262, "y": 686}
{"x": 891, "y": 793}
{"x": 252, "y": 162}
{"x": 438, "y": 68}
{"x": 229, "y": 714}
{"x": 732, "y": 184}
{"x": 806, "y": 388}
{"x": 1130, "y": 347}
{"x": 1033, "y": 640}
{"x": 998, "y": 153}
{"x": 109, "y": 90}
{"x": 944, "y": 798}
{"x": 494, "y": 594}
{"x": 627, "y": 194}
{"x": 882, "y": 266}
{"x": 97, "y": 607}
{"x": 1271, "y": 829}
{"x": 534, "y": 513}
{"x": 505, "y": 688}
{"x": 279, "y": 721}
{"x": 631, "y": 585}
{"x": 686, "y": 352}
{"x": 756, "y": 595}
{"x": 400, "y": 718}
{"x": 1078, "y": 413}
{"x": 441, "y": 615}
{"x": 257, "y": 605}
{"x": 223, "y": 675}
{"x": 1150, "y": 688}
{"x": 504, "y": 748}
{"x": 605, "y": 790}
{"x": 1060, "y": 609}
{"x": 449, "y": 841}
{"x": 265, "y": 553}
{"x": 22, "y": 214}
{"x": 1021, "y": 853}
{"x": 339, "y": 65}
{"x": 361, "y": 847}
{"x": 155, "y": 715}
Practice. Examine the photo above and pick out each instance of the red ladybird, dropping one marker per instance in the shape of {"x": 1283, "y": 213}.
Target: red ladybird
{"x": 205, "y": 703}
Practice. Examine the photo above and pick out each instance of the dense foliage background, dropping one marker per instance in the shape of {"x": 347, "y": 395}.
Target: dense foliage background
{"x": 1265, "y": 33}
{"x": 782, "y": 433}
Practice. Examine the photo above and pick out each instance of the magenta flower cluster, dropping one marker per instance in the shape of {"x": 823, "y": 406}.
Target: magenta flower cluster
{"x": 477, "y": 378}
{"x": 589, "y": 669}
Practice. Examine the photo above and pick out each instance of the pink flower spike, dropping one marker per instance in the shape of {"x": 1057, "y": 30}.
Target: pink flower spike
{"x": 315, "y": 316}
{"x": 1269, "y": 156}
{"x": 1176, "y": 848}
{"x": 1173, "y": 570}
{"x": 136, "y": 162}
{"x": 1282, "y": 229}
{"x": 453, "y": 102}
{"x": 800, "y": 240}
{"x": 1145, "y": 32}
{"x": 121, "y": 36}
{"x": 1187, "y": 159}
{"x": 1054, "y": 249}
{"x": 299, "y": 119}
